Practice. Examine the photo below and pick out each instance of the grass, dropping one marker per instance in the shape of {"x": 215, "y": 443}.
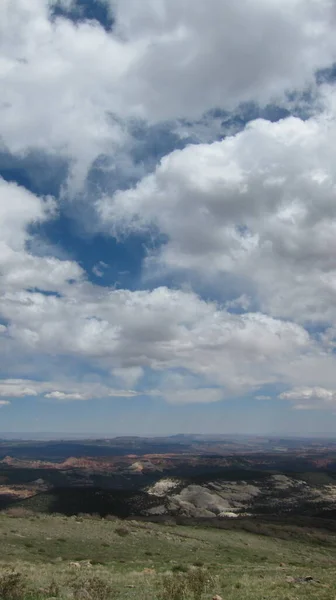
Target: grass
{"x": 95, "y": 559}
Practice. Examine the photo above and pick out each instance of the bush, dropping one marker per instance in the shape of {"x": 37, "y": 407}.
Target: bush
{"x": 13, "y": 586}
{"x": 94, "y": 517}
{"x": 87, "y": 517}
{"x": 122, "y": 531}
{"x": 92, "y": 589}
{"x": 179, "y": 569}
{"x": 198, "y": 580}
{"x": 52, "y": 590}
{"x": 181, "y": 586}
{"x": 173, "y": 587}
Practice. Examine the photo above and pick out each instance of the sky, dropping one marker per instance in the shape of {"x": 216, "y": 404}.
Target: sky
{"x": 168, "y": 216}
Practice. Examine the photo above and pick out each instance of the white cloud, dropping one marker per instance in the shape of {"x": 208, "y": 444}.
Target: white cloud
{"x": 58, "y": 95}
{"x": 19, "y": 269}
{"x": 18, "y": 209}
{"x": 16, "y": 388}
{"x": 194, "y": 58}
{"x": 99, "y": 268}
{"x": 306, "y": 398}
{"x": 69, "y": 89}
{"x": 60, "y": 390}
{"x": 4, "y": 403}
{"x": 162, "y": 329}
{"x": 65, "y": 396}
{"x": 258, "y": 205}
{"x": 127, "y": 333}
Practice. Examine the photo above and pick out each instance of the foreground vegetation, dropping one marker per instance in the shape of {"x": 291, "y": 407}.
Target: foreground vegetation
{"x": 86, "y": 558}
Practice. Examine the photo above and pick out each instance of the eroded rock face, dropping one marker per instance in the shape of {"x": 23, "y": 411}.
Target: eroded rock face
{"x": 162, "y": 487}
{"x": 274, "y": 494}
{"x": 215, "y": 499}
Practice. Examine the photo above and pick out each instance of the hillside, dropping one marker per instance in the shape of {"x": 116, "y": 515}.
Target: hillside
{"x": 249, "y": 526}
{"x": 181, "y": 476}
{"x": 214, "y": 493}
{"x": 132, "y": 558}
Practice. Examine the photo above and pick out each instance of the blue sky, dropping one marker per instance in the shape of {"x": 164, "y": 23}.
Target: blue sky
{"x": 167, "y": 217}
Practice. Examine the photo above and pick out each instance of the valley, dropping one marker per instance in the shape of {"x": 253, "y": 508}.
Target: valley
{"x": 167, "y": 519}
{"x": 179, "y": 477}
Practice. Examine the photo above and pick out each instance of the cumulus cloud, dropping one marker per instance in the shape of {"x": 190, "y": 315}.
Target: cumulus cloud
{"x": 65, "y": 396}
{"x": 306, "y": 398}
{"x": 16, "y": 388}
{"x": 70, "y": 89}
{"x": 18, "y": 209}
{"x": 258, "y": 205}
{"x": 194, "y": 59}
{"x": 21, "y": 388}
{"x": 126, "y": 332}
{"x": 56, "y": 69}
{"x": 159, "y": 329}
{"x": 51, "y": 309}
{"x": 56, "y": 390}
{"x": 91, "y": 392}
{"x": 20, "y": 269}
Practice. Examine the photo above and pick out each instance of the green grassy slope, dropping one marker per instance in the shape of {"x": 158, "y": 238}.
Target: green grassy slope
{"x": 132, "y": 558}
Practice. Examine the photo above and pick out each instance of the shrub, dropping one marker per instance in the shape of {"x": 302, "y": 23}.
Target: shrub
{"x": 181, "y": 586}
{"x": 92, "y": 589}
{"x": 179, "y": 569}
{"x": 173, "y": 587}
{"x": 52, "y": 590}
{"x": 80, "y": 517}
{"x": 93, "y": 517}
{"x": 122, "y": 531}
{"x": 198, "y": 580}
{"x": 13, "y": 586}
